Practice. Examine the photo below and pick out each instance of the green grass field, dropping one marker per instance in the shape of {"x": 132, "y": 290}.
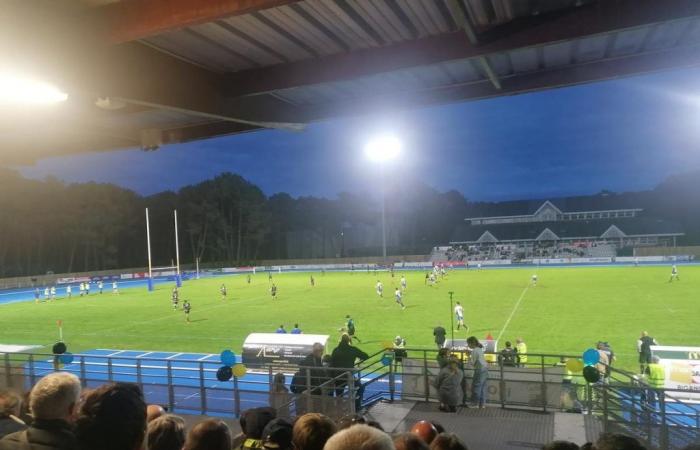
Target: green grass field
{"x": 568, "y": 311}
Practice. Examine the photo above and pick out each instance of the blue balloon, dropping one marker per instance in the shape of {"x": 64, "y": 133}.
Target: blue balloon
{"x": 228, "y": 358}
{"x": 386, "y": 361}
{"x": 66, "y": 358}
{"x": 591, "y": 357}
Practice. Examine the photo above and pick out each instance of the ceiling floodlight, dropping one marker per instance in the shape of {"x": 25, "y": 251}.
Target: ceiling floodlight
{"x": 20, "y": 90}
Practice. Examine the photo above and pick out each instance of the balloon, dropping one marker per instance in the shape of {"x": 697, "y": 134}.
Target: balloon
{"x": 574, "y": 365}
{"x": 387, "y": 358}
{"x": 591, "y": 374}
{"x": 591, "y": 357}
{"x": 59, "y": 348}
{"x": 387, "y": 345}
{"x": 66, "y": 358}
{"x": 224, "y": 373}
{"x": 239, "y": 370}
{"x": 228, "y": 358}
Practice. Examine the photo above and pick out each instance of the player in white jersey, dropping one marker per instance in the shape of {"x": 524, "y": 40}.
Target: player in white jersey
{"x": 674, "y": 274}
{"x": 46, "y": 293}
{"x": 82, "y": 289}
{"x": 534, "y": 280}
{"x": 403, "y": 282}
{"x": 87, "y": 288}
{"x": 53, "y": 293}
{"x": 397, "y": 296}
{"x": 69, "y": 291}
{"x": 115, "y": 288}
{"x": 100, "y": 286}
{"x": 432, "y": 279}
{"x": 459, "y": 314}
{"x": 380, "y": 289}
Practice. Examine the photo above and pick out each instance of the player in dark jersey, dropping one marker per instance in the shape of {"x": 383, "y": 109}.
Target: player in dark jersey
{"x": 175, "y": 298}
{"x": 186, "y": 307}
{"x": 222, "y": 289}
{"x": 350, "y": 328}
{"x": 313, "y": 282}
{"x": 427, "y": 275}
{"x": 273, "y": 291}
{"x": 248, "y": 278}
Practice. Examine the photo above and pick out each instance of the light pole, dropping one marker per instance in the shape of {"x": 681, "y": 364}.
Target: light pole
{"x": 380, "y": 150}
{"x": 452, "y": 320}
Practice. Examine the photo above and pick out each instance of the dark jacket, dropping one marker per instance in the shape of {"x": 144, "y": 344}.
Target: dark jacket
{"x": 316, "y": 371}
{"x": 344, "y": 355}
{"x": 9, "y": 425}
{"x": 42, "y": 435}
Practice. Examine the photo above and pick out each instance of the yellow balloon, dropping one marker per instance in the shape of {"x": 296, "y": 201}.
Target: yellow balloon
{"x": 387, "y": 345}
{"x": 239, "y": 370}
{"x": 574, "y": 365}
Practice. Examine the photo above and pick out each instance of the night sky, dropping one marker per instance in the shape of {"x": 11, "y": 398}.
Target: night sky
{"x": 621, "y": 135}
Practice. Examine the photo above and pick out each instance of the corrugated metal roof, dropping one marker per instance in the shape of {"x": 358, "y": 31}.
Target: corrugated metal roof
{"x": 317, "y": 28}
{"x": 610, "y": 45}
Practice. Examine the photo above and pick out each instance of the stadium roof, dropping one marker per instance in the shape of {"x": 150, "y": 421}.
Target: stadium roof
{"x": 583, "y": 203}
{"x": 176, "y": 70}
{"x": 579, "y": 229}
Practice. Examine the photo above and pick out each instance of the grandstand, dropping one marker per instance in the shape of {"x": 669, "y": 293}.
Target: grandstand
{"x": 572, "y": 227}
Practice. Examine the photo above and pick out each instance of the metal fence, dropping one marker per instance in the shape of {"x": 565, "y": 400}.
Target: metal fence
{"x": 621, "y": 401}
{"x": 664, "y": 418}
{"x": 186, "y": 387}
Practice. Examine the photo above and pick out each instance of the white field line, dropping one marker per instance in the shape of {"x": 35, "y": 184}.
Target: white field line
{"x": 512, "y": 313}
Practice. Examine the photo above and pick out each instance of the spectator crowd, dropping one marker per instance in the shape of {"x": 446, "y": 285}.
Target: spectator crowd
{"x": 60, "y": 415}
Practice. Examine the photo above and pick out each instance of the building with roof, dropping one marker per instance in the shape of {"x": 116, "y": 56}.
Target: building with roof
{"x": 563, "y": 228}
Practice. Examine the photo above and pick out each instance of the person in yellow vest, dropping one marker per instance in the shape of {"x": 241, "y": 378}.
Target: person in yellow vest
{"x": 571, "y": 382}
{"x": 521, "y": 348}
{"x": 656, "y": 379}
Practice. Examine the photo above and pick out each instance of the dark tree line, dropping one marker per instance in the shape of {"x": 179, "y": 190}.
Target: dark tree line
{"x": 53, "y": 226}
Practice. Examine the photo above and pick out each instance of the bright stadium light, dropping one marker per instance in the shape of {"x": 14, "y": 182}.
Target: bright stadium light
{"x": 380, "y": 150}
{"x": 383, "y": 148}
{"x": 16, "y": 89}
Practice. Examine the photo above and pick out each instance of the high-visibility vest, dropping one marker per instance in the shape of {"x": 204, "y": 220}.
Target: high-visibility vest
{"x": 522, "y": 352}
{"x": 657, "y": 375}
{"x": 568, "y": 375}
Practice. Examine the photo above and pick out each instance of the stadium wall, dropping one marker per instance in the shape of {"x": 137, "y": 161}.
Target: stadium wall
{"x": 346, "y": 260}
{"x": 50, "y": 279}
{"x": 667, "y": 251}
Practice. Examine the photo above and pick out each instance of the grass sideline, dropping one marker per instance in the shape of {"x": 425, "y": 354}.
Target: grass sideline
{"x": 568, "y": 311}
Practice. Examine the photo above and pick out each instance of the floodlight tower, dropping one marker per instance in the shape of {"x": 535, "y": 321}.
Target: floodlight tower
{"x": 381, "y": 150}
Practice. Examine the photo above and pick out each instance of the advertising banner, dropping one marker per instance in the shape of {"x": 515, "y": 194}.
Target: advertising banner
{"x": 280, "y": 350}
{"x": 682, "y": 366}
{"x": 70, "y": 280}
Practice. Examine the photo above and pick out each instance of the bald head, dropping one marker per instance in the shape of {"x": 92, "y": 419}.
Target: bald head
{"x": 153, "y": 412}
{"x": 424, "y": 430}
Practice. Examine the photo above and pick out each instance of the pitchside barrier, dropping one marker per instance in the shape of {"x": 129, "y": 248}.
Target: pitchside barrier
{"x": 188, "y": 384}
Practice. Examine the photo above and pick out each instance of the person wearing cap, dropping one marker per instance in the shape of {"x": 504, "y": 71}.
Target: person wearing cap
{"x": 277, "y": 435}
{"x": 253, "y": 423}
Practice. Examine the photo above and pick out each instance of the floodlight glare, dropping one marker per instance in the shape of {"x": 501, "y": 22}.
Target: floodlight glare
{"x": 383, "y": 148}
{"x": 16, "y": 90}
